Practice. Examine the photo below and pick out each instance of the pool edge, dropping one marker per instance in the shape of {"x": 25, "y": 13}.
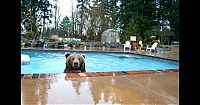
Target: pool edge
{"x": 93, "y": 74}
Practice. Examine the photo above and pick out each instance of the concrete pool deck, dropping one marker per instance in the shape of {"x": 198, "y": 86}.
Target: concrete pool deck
{"x": 143, "y": 88}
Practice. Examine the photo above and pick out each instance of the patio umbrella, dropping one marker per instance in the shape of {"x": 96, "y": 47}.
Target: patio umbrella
{"x": 153, "y": 36}
{"x": 117, "y": 29}
{"x": 74, "y": 41}
{"x": 67, "y": 25}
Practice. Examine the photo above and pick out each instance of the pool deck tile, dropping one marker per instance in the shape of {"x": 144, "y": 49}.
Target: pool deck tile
{"x": 105, "y": 73}
{"x": 167, "y": 71}
{"x": 72, "y": 75}
{"x": 35, "y": 76}
{"x": 60, "y": 75}
{"x": 82, "y": 74}
{"x": 142, "y": 72}
{"x": 28, "y": 76}
{"x": 117, "y": 73}
{"x": 42, "y": 76}
{"x": 95, "y": 74}
{"x": 124, "y": 73}
{"x": 88, "y": 74}
{"x": 50, "y": 76}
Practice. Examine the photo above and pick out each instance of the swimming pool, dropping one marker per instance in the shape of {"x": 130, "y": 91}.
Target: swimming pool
{"x": 43, "y": 61}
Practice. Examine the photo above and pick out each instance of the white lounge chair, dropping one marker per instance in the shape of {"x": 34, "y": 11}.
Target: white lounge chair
{"x": 153, "y": 47}
{"x": 141, "y": 45}
{"x": 127, "y": 45}
{"x": 22, "y": 44}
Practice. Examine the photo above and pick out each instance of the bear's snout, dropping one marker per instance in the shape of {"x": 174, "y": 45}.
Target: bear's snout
{"x": 76, "y": 64}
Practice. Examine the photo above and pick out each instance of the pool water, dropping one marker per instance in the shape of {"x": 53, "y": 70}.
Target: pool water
{"x": 54, "y": 62}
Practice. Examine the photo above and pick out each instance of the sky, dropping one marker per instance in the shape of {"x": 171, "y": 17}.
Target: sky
{"x": 65, "y": 7}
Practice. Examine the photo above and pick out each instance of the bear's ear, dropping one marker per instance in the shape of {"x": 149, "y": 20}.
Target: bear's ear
{"x": 83, "y": 55}
{"x": 67, "y": 54}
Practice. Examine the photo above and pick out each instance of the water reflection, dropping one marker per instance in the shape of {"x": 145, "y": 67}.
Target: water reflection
{"x": 86, "y": 90}
{"x": 77, "y": 84}
{"x": 35, "y": 91}
{"x": 119, "y": 91}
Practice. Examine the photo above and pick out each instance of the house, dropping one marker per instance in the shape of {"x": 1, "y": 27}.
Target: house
{"x": 110, "y": 36}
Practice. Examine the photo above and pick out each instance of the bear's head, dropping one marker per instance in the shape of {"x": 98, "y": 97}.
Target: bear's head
{"x": 75, "y": 62}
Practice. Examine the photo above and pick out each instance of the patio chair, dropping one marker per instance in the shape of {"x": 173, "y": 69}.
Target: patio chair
{"x": 127, "y": 45}
{"x": 22, "y": 44}
{"x": 153, "y": 47}
{"x": 141, "y": 45}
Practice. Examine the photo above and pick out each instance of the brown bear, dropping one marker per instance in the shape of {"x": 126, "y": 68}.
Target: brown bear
{"x": 75, "y": 63}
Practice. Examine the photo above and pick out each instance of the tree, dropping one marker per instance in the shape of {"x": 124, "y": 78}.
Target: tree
{"x": 94, "y": 19}
{"x": 168, "y": 15}
{"x": 143, "y": 12}
{"x": 104, "y": 16}
{"x": 45, "y": 11}
{"x": 112, "y": 10}
{"x": 82, "y": 10}
{"x": 56, "y": 16}
{"x": 132, "y": 29}
{"x": 28, "y": 14}
{"x": 66, "y": 25}
{"x": 32, "y": 11}
{"x": 173, "y": 18}
{"x": 93, "y": 16}
{"x": 148, "y": 14}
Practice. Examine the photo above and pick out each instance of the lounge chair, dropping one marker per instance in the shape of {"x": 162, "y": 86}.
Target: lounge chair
{"x": 141, "y": 45}
{"x": 153, "y": 47}
{"x": 127, "y": 45}
{"x": 22, "y": 44}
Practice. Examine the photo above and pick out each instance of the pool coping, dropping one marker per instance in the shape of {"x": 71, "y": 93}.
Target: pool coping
{"x": 92, "y": 74}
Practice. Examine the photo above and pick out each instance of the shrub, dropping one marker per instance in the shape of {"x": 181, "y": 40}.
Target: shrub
{"x": 23, "y": 38}
{"x": 54, "y": 38}
{"x": 31, "y": 34}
